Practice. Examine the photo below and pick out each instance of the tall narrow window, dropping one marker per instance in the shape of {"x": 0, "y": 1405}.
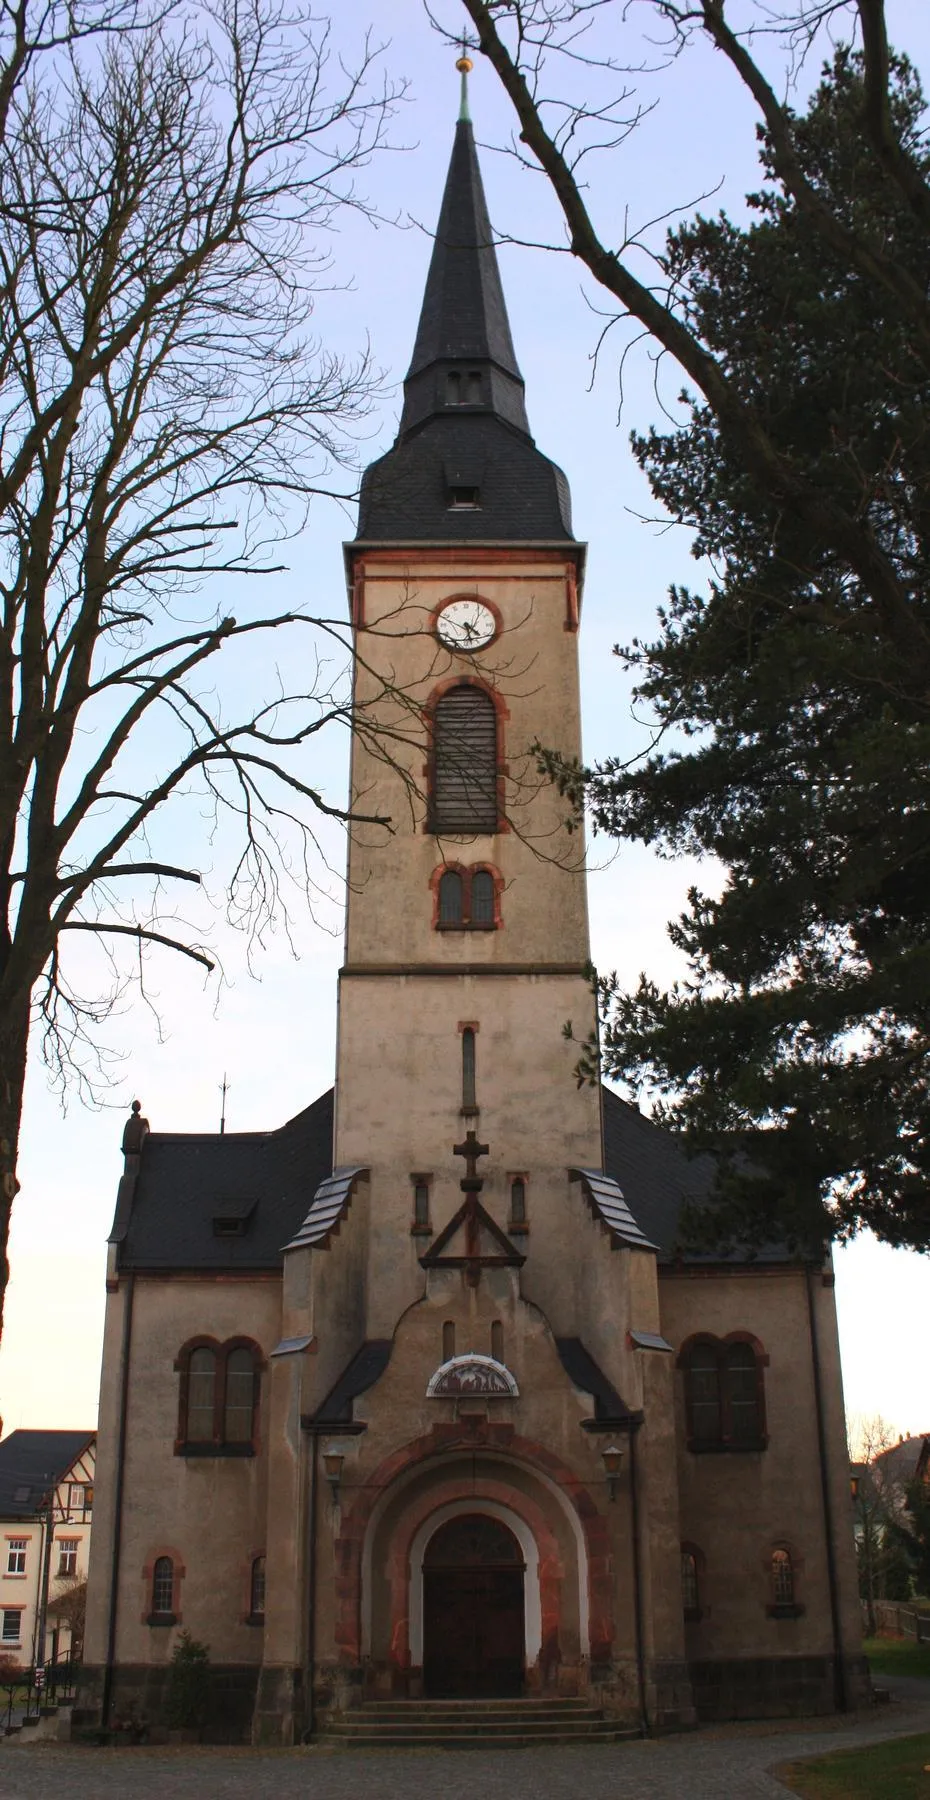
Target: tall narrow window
{"x": 448, "y": 1340}
{"x": 474, "y": 387}
{"x": 450, "y": 898}
{"x": 201, "y": 1396}
{"x": 743, "y": 1391}
{"x": 690, "y": 1596}
{"x": 257, "y": 1589}
{"x": 421, "y": 1202}
{"x": 469, "y": 1102}
{"x": 482, "y": 898}
{"x": 67, "y": 1556}
{"x": 518, "y": 1201}
{"x": 240, "y": 1397}
{"x": 463, "y": 796}
{"x": 782, "y": 1578}
{"x": 453, "y": 388}
{"x": 163, "y": 1586}
{"x": 703, "y": 1379}
{"x": 497, "y": 1340}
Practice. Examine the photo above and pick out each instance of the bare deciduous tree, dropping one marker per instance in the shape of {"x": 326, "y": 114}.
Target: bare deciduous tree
{"x": 166, "y": 415}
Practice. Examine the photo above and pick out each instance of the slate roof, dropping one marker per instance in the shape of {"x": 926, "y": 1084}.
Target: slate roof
{"x": 657, "y": 1177}
{"x": 583, "y": 1372}
{"x": 32, "y": 1462}
{"x": 484, "y": 442}
{"x": 901, "y": 1462}
{"x": 186, "y": 1180}
{"x": 365, "y": 1368}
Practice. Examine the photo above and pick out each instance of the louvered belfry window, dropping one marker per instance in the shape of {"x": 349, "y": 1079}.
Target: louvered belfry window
{"x": 464, "y": 787}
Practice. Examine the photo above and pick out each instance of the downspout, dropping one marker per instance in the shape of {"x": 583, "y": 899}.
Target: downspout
{"x": 839, "y": 1672}
{"x": 311, "y": 1587}
{"x": 638, "y": 1589}
{"x": 118, "y": 1503}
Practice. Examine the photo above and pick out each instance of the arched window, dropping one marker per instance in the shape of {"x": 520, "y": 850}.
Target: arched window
{"x": 421, "y": 1203}
{"x": 218, "y": 1399}
{"x": 474, "y": 387}
{"x": 465, "y": 899}
{"x": 782, "y": 1578}
{"x": 469, "y": 1102}
{"x": 240, "y": 1397}
{"x": 690, "y": 1590}
{"x": 497, "y": 1340}
{"x": 448, "y": 1340}
{"x": 201, "y": 1396}
{"x": 724, "y": 1394}
{"x": 482, "y": 898}
{"x": 163, "y": 1586}
{"x": 257, "y": 1589}
{"x": 451, "y": 909}
{"x": 463, "y": 796}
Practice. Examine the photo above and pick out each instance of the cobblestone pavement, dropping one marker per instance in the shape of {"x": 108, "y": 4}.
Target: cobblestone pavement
{"x": 731, "y": 1763}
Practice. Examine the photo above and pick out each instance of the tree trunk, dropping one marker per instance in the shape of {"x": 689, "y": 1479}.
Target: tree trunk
{"x": 14, "y": 1038}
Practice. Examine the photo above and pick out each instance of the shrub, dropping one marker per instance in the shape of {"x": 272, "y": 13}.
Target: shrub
{"x": 188, "y": 1684}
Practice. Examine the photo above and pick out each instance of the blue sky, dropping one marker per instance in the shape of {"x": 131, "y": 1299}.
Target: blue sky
{"x": 272, "y": 1031}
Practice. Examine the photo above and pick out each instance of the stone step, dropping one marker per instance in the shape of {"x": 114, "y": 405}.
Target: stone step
{"x": 515, "y": 1704}
{"x": 401, "y": 1711}
{"x": 435, "y": 1738}
{"x": 467, "y": 1727}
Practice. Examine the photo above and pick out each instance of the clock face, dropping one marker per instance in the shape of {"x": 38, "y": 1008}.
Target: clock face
{"x": 466, "y": 625}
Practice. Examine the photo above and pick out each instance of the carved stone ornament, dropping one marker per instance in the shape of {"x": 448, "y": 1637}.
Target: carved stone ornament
{"x": 463, "y": 1377}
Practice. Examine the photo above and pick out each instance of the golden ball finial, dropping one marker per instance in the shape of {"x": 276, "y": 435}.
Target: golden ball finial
{"x": 465, "y": 65}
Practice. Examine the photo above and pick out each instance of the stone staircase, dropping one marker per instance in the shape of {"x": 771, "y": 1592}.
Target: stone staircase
{"x": 472, "y": 1725}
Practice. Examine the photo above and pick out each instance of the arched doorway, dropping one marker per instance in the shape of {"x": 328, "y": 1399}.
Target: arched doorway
{"x": 473, "y": 1610}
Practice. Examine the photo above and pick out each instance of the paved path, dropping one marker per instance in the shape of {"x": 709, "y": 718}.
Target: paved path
{"x": 731, "y": 1763}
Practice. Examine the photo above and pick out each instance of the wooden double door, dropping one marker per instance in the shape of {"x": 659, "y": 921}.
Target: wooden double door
{"x": 473, "y": 1611}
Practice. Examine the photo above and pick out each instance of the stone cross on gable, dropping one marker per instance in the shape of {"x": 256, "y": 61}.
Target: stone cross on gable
{"x": 471, "y": 1182}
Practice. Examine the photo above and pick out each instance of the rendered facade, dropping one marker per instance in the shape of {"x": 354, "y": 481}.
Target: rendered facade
{"x": 418, "y": 1395}
{"x": 46, "y": 1513}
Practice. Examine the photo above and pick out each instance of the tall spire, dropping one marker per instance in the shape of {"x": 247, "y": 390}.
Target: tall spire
{"x": 464, "y": 331}
{"x": 464, "y": 66}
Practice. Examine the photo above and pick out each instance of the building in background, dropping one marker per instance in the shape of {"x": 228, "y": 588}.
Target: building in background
{"x": 46, "y": 1512}
{"x": 420, "y": 1395}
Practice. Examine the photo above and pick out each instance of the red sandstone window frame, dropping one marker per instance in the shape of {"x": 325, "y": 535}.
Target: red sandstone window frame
{"x": 726, "y": 1439}
{"x": 466, "y": 873}
{"x": 161, "y": 1617}
{"x": 218, "y": 1444}
{"x": 502, "y": 714}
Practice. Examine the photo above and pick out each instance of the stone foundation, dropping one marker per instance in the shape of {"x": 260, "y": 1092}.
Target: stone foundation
{"x": 139, "y": 1691}
{"x": 768, "y": 1687}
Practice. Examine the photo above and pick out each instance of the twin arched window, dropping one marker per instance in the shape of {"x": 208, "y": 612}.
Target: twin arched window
{"x": 464, "y": 765}
{"x": 724, "y": 1394}
{"x": 466, "y": 900}
{"x": 218, "y": 1399}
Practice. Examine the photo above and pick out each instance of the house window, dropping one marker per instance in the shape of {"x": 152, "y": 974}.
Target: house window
{"x": 257, "y": 1590}
{"x": 67, "y": 1556}
{"x": 497, "y": 1340}
{"x": 448, "y": 1340}
{"x": 76, "y": 1500}
{"x": 163, "y": 1589}
{"x": 12, "y": 1620}
{"x": 466, "y": 900}
{"x": 463, "y": 788}
{"x": 469, "y": 1103}
{"x": 518, "y": 1201}
{"x": 218, "y": 1401}
{"x": 421, "y": 1203}
{"x": 16, "y": 1556}
{"x": 724, "y": 1395}
{"x": 690, "y": 1591}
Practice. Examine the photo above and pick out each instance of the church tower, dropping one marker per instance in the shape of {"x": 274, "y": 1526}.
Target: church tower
{"x": 422, "y": 1396}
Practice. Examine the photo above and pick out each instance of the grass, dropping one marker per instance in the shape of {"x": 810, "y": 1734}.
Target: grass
{"x": 897, "y": 1656}
{"x": 896, "y": 1771}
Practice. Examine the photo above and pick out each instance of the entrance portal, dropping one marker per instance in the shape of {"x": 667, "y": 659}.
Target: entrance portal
{"x": 473, "y": 1624}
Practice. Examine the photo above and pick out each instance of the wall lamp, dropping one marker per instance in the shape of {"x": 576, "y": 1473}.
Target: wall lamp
{"x": 612, "y": 1458}
{"x": 332, "y": 1469}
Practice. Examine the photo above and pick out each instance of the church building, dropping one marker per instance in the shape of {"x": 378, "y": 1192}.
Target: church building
{"x": 414, "y": 1409}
